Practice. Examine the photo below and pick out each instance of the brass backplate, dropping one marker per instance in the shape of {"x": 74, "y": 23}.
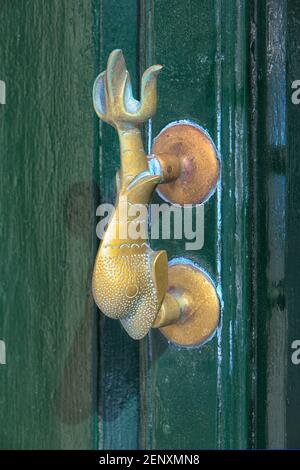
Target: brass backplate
{"x": 202, "y": 305}
{"x": 200, "y": 166}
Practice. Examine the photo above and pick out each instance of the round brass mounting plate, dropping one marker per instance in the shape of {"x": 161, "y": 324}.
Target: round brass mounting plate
{"x": 202, "y": 310}
{"x": 200, "y": 166}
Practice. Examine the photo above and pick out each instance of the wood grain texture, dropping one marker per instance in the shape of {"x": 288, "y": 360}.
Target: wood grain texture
{"x": 200, "y": 398}
{"x": 268, "y": 162}
{"x": 275, "y": 152}
{"x": 74, "y": 379}
{"x": 293, "y": 224}
{"x": 47, "y": 387}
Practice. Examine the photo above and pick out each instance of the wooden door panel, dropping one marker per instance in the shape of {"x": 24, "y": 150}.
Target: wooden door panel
{"x": 73, "y": 378}
{"x": 275, "y": 156}
{"x": 47, "y": 320}
{"x": 198, "y": 398}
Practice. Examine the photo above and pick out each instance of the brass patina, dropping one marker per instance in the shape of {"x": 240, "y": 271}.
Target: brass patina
{"x": 191, "y": 148}
{"x": 130, "y": 280}
{"x": 199, "y": 305}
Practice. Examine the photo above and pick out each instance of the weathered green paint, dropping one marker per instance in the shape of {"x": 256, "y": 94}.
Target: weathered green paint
{"x": 270, "y": 223}
{"x": 48, "y": 386}
{"x": 293, "y": 225}
{"x": 276, "y": 222}
{"x": 199, "y": 398}
{"x": 204, "y": 80}
{"x": 74, "y": 379}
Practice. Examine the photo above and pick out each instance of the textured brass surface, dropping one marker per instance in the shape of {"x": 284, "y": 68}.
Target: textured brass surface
{"x": 129, "y": 279}
{"x": 198, "y": 159}
{"x": 200, "y": 306}
{"x": 169, "y": 313}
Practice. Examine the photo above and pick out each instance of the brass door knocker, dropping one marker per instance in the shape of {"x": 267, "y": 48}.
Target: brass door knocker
{"x": 131, "y": 282}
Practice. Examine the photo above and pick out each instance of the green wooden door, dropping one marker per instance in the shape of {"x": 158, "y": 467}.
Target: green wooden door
{"x": 72, "y": 378}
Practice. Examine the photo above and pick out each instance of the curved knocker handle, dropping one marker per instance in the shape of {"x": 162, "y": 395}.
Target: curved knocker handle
{"x": 131, "y": 282}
